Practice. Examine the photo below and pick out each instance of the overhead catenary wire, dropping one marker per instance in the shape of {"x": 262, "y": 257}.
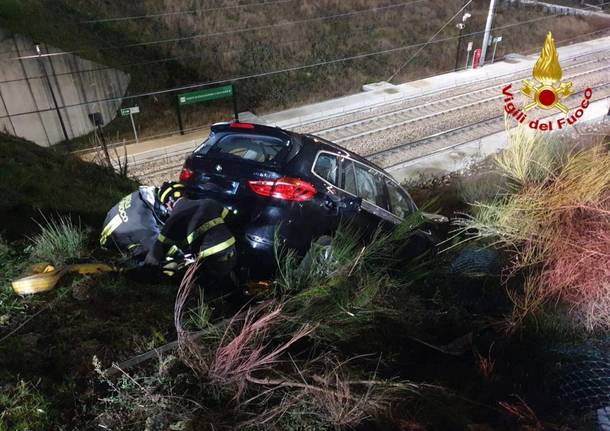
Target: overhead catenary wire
{"x": 182, "y": 12}
{"x": 199, "y": 55}
{"x": 429, "y": 41}
{"x": 268, "y": 73}
{"x": 235, "y": 31}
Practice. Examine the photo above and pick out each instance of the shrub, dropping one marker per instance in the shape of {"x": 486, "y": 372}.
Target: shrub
{"x": 59, "y": 241}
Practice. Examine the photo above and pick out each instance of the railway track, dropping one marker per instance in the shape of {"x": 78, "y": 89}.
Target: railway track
{"x": 450, "y": 139}
{"x": 400, "y": 117}
{"x": 375, "y": 132}
{"x": 339, "y": 120}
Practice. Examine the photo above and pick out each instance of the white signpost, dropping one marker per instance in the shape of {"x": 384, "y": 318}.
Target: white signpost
{"x": 130, "y": 111}
{"x": 495, "y": 41}
{"x": 468, "y": 49}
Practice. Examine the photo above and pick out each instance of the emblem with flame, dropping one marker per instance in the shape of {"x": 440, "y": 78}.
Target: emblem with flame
{"x": 547, "y": 72}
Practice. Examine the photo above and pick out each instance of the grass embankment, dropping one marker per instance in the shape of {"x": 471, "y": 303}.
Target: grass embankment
{"x": 234, "y": 52}
{"x": 36, "y": 181}
{"x": 52, "y": 209}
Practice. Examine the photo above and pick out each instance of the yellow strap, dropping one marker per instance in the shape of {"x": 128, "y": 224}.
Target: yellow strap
{"x": 109, "y": 228}
{"x": 48, "y": 280}
{"x": 217, "y": 248}
{"x": 225, "y": 213}
{"x": 203, "y": 229}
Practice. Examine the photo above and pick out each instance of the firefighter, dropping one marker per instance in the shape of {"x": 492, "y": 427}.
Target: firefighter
{"x": 197, "y": 227}
{"x": 132, "y": 226}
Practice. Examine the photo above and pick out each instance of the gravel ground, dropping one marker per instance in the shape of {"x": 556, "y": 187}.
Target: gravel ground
{"x": 463, "y": 90}
{"x": 397, "y": 136}
{"x": 443, "y": 142}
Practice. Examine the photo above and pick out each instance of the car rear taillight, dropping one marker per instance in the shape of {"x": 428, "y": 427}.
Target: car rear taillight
{"x": 286, "y": 188}
{"x": 237, "y": 125}
{"x": 185, "y": 175}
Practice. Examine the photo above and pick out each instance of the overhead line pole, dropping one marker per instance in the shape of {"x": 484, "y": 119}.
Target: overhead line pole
{"x": 61, "y": 120}
{"x": 486, "y": 35}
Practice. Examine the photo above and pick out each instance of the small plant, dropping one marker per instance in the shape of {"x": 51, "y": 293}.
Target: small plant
{"x": 148, "y": 401}
{"x": 482, "y": 188}
{"x": 23, "y": 408}
{"x": 11, "y": 265}
{"x": 59, "y": 241}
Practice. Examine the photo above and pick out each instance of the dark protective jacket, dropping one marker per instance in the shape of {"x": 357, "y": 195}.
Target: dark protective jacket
{"x": 197, "y": 226}
{"x": 133, "y": 225}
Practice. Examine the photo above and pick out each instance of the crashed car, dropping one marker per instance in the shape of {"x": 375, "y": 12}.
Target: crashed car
{"x": 288, "y": 187}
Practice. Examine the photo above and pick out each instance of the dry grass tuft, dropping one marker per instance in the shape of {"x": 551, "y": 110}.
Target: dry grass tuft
{"x": 556, "y": 221}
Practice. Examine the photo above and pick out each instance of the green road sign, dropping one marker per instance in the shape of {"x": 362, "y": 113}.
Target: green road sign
{"x": 125, "y": 112}
{"x": 205, "y": 95}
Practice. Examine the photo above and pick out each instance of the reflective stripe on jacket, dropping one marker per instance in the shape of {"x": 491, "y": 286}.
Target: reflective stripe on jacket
{"x": 196, "y": 225}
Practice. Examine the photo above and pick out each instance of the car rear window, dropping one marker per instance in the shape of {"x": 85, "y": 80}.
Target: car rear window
{"x": 256, "y": 148}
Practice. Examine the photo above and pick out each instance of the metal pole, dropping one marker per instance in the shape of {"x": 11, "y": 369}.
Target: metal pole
{"x": 61, "y": 120}
{"x": 179, "y": 114}
{"x": 459, "y": 47}
{"x": 133, "y": 124}
{"x": 493, "y": 56}
{"x": 490, "y": 18}
{"x": 467, "y": 58}
{"x": 104, "y": 146}
{"x": 235, "y": 112}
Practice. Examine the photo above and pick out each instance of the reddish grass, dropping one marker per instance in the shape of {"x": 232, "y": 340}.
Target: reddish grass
{"x": 245, "y": 347}
{"x": 577, "y": 269}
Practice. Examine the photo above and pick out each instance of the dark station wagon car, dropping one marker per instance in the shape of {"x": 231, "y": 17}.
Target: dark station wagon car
{"x": 295, "y": 186}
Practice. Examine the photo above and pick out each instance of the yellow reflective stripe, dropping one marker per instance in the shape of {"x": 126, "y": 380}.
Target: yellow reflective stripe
{"x": 203, "y": 229}
{"x": 173, "y": 249}
{"x": 225, "y": 213}
{"x": 217, "y": 248}
{"x": 109, "y": 228}
{"x": 165, "y": 240}
{"x": 132, "y": 246}
{"x": 169, "y": 273}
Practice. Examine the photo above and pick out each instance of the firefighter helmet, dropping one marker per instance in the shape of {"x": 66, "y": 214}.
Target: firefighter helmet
{"x": 170, "y": 190}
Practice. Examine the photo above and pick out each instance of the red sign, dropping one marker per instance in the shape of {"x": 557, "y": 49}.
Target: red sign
{"x": 477, "y": 58}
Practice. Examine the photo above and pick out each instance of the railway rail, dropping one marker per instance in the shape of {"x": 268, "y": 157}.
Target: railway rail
{"x": 451, "y": 139}
{"x": 375, "y": 132}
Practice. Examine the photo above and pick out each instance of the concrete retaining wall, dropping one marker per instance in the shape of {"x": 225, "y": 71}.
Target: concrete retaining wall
{"x": 24, "y": 89}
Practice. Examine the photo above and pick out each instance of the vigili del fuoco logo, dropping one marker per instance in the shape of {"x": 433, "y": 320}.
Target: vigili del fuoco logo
{"x": 546, "y": 92}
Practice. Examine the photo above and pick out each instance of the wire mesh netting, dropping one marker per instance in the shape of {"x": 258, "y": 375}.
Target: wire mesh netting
{"x": 583, "y": 377}
{"x": 474, "y": 261}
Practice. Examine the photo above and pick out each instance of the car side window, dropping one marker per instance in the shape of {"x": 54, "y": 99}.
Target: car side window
{"x": 400, "y": 204}
{"x": 370, "y": 186}
{"x": 349, "y": 177}
{"x": 327, "y": 167}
